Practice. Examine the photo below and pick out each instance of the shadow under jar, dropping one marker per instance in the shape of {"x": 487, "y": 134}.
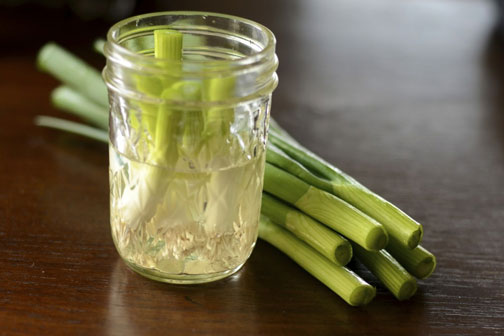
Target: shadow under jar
{"x": 188, "y": 129}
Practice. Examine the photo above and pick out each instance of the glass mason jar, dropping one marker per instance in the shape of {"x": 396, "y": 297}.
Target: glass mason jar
{"x": 187, "y": 141}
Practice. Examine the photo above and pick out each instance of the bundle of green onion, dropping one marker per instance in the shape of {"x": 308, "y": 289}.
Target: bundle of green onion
{"x": 320, "y": 221}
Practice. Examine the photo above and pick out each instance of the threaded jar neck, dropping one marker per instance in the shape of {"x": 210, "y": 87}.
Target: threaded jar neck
{"x": 214, "y": 46}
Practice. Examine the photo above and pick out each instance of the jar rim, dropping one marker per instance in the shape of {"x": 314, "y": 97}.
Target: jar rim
{"x": 113, "y": 45}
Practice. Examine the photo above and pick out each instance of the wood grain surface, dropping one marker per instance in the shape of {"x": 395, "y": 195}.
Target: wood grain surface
{"x": 406, "y": 96}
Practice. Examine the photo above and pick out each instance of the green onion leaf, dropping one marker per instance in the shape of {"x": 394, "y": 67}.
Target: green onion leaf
{"x": 72, "y": 127}
{"x": 67, "y": 99}
{"x": 73, "y": 72}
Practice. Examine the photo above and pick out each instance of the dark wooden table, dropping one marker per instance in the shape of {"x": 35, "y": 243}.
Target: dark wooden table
{"x": 406, "y": 96}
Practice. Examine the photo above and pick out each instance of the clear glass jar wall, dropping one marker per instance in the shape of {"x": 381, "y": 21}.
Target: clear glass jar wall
{"x": 187, "y": 143}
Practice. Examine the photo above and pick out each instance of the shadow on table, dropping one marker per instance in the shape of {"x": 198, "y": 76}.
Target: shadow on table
{"x": 492, "y": 89}
{"x": 270, "y": 295}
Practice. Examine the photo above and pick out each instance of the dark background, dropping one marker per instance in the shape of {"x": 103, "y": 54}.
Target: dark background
{"x": 406, "y": 96}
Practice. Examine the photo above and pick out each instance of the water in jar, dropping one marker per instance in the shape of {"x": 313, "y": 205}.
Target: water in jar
{"x": 190, "y": 219}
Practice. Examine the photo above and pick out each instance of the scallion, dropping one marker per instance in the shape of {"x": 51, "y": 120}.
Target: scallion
{"x": 73, "y": 72}
{"x": 325, "y": 207}
{"x": 405, "y": 229}
{"x": 67, "y": 99}
{"x": 418, "y": 261}
{"x": 72, "y": 127}
{"x": 325, "y": 241}
{"x": 388, "y": 271}
{"x": 348, "y": 285}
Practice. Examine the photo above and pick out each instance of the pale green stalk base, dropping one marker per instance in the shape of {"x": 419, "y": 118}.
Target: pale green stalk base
{"x": 139, "y": 205}
{"x": 344, "y": 218}
{"x": 325, "y": 241}
{"x": 418, "y": 261}
{"x": 283, "y": 185}
{"x": 398, "y": 224}
{"x": 349, "y": 286}
{"x": 327, "y": 208}
{"x": 388, "y": 271}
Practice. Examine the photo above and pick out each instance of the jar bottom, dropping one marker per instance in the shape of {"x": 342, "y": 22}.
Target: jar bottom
{"x": 184, "y": 278}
